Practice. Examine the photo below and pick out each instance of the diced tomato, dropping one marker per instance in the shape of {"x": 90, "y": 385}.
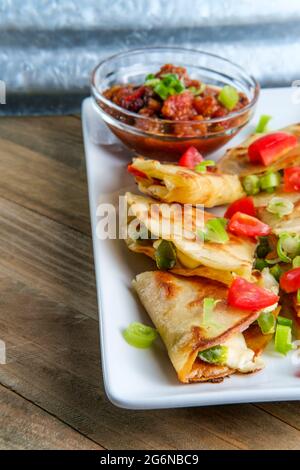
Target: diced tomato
{"x": 190, "y": 158}
{"x": 179, "y": 107}
{"x": 248, "y": 296}
{"x": 134, "y": 100}
{"x": 135, "y": 172}
{"x": 291, "y": 178}
{"x": 244, "y": 205}
{"x": 268, "y": 148}
{"x": 290, "y": 280}
{"x": 244, "y": 224}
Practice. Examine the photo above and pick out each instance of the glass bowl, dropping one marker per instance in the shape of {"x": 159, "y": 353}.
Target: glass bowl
{"x": 161, "y": 138}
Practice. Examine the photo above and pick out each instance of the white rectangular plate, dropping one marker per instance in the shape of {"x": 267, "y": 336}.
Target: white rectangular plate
{"x": 145, "y": 379}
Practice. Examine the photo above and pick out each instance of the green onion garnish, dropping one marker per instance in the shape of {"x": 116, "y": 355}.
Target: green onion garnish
{"x": 269, "y": 181}
{"x": 215, "y": 231}
{"x": 170, "y": 79}
{"x": 283, "y": 339}
{"x": 263, "y": 248}
{"x": 284, "y": 321}
{"x": 169, "y": 84}
{"x": 197, "y": 91}
{"x": 296, "y": 262}
{"x": 263, "y": 122}
{"x": 214, "y": 355}
{"x": 251, "y": 185}
{"x": 267, "y": 323}
{"x": 152, "y": 82}
{"x": 260, "y": 264}
{"x": 202, "y": 166}
{"x": 165, "y": 255}
{"x": 228, "y": 97}
{"x": 276, "y": 271}
{"x": 208, "y": 307}
{"x": 298, "y": 296}
{"x": 288, "y": 246}
{"x": 150, "y": 76}
{"x": 280, "y": 206}
{"x": 161, "y": 90}
{"x": 139, "y": 335}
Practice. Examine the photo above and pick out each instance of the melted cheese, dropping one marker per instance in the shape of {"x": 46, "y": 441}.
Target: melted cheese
{"x": 240, "y": 357}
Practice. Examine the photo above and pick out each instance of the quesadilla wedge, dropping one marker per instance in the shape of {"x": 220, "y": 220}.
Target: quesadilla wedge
{"x": 290, "y": 222}
{"x": 191, "y": 255}
{"x": 202, "y": 346}
{"x": 175, "y": 183}
{"x": 236, "y": 161}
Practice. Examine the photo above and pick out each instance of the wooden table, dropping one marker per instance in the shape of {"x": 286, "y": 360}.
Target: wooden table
{"x": 51, "y": 389}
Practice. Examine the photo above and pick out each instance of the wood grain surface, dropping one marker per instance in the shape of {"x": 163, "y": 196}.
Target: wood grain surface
{"x": 51, "y": 388}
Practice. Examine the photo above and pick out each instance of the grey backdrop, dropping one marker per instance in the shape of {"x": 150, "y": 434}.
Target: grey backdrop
{"x": 48, "y": 48}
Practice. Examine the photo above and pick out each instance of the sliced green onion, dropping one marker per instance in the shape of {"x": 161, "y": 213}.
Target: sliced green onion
{"x": 260, "y": 264}
{"x": 197, "y": 91}
{"x": 280, "y": 206}
{"x": 150, "y": 76}
{"x": 267, "y": 323}
{"x": 214, "y": 355}
{"x": 283, "y": 339}
{"x": 152, "y": 82}
{"x": 208, "y": 307}
{"x": 276, "y": 271}
{"x": 178, "y": 87}
{"x": 169, "y": 84}
{"x": 202, "y": 166}
{"x": 263, "y": 122}
{"x": 298, "y": 296}
{"x": 284, "y": 321}
{"x": 288, "y": 246}
{"x": 296, "y": 262}
{"x": 139, "y": 335}
{"x": 263, "y": 248}
{"x": 272, "y": 261}
{"x": 269, "y": 181}
{"x": 170, "y": 79}
{"x": 251, "y": 185}
{"x": 228, "y": 97}
{"x": 161, "y": 90}
{"x": 165, "y": 255}
{"x": 215, "y": 231}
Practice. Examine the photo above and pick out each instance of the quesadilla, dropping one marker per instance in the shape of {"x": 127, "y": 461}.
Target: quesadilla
{"x": 201, "y": 347}
{"x": 236, "y": 161}
{"x": 287, "y": 223}
{"x": 192, "y": 255}
{"x": 175, "y": 183}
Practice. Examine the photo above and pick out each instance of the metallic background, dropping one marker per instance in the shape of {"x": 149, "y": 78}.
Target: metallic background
{"x": 48, "y": 48}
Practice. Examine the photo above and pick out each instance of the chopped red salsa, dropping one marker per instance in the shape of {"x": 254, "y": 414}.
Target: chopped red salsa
{"x": 171, "y": 94}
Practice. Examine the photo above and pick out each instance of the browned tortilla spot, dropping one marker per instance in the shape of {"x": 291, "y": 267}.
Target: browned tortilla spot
{"x": 164, "y": 282}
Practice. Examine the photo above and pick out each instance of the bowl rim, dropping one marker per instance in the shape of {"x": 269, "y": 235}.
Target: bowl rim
{"x": 99, "y": 96}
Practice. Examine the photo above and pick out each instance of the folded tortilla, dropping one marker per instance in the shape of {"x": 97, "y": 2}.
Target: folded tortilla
{"x": 174, "y": 183}
{"x": 236, "y": 161}
{"x": 288, "y": 223}
{"x": 175, "y": 305}
{"x": 217, "y": 261}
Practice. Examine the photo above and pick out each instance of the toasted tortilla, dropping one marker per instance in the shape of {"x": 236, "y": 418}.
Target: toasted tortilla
{"x": 236, "y": 161}
{"x": 194, "y": 257}
{"x": 175, "y": 305}
{"x": 288, "y": 223}
{"x": 174, "y": 183}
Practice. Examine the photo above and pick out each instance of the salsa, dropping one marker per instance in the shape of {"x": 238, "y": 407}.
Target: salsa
{"x": 172, "y": 95}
